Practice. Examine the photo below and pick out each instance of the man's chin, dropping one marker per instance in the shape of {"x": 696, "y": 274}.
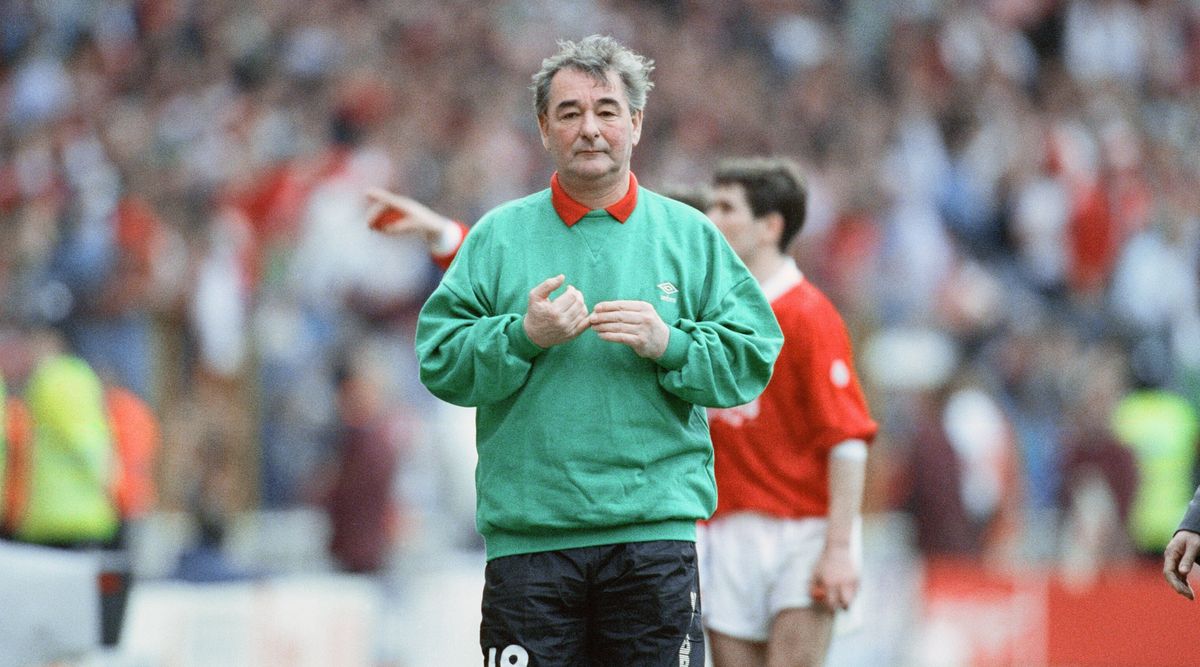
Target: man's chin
{"x": 592, "y": 169}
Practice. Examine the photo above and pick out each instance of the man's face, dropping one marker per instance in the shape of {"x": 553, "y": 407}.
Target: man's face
{"x": 731, "y": 213}
{"x": 588, "y": 127}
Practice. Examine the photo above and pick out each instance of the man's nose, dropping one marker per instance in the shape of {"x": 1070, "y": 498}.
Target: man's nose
{"x": 591, "y": 126}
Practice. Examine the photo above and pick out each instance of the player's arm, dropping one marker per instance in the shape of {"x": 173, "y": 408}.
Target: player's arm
{"x": 836, "y": 578}
{"x": 398, "y": 215}
{"x": 1181, "y": 551}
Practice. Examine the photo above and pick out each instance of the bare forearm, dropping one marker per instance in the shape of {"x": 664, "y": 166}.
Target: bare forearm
{"x": 847, "y": 473}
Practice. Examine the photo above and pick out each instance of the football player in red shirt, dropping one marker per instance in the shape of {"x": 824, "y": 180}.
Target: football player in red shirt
{"x": 781, "y": 556}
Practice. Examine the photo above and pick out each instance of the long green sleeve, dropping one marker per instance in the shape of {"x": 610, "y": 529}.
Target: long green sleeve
{"x": 725, "y": 357}
{"x": 469, "y": 355}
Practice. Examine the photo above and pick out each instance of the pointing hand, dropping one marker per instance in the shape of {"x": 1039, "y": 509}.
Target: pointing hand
{"x": 399, "y": 215}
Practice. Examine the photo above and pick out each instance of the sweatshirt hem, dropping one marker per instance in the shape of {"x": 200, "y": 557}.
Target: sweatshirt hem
{"x": 503, "y": 543}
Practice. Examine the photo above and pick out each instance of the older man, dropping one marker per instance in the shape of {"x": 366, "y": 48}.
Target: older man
{"x": 594, "y": 455}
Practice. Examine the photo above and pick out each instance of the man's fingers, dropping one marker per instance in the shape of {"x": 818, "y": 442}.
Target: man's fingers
{"x": 618, "y": 337}
{"x": 1178, "y": 558}
{"x": 1171, "y": 562}
{"x": 570, "y": 303}
{"x": 378, "y": 195}
{"x": 1189, "y": 556}
{"x": 605, "y": 317}
{"x": 542, "y": 290}
{"x": 1180, "y": 584}
{"x": 818, "y": 592}
{"x": 381, "y": 196}
{"x": 385, "y": 209}
{"x": 380, "y": 216}
{"x": 607, "y": 313}
{"x": 580, "y": 325}
{"x": 613, "y": 306}
{"x": 833, "y": 595}
{"x": 846, "y": 596}
{"x": 574, "y": 312}
{"x": 570, "y": 297}
{"x": 614, "y": 327}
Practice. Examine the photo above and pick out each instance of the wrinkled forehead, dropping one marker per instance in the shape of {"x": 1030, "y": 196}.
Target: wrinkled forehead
{"x": 572, "y": 85}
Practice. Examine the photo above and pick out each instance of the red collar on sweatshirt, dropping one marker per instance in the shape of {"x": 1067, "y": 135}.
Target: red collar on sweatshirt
{"x": 572, "y": 211}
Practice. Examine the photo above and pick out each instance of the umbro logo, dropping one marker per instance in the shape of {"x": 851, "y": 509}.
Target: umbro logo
{"x": 669, "y": 291}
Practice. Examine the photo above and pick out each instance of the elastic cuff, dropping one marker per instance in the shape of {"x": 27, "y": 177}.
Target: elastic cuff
{"x": 675, "y": 355}
{"x": 518, "y": 340}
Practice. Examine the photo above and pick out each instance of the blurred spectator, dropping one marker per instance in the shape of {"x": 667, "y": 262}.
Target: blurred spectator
{"x": 135, "y": 433}
{"x": 1031, "y": 362}
{"x": 206, "y": 559}
{"x": 334, "y": 276}
{"x": 71, "y": 460}
{"x": 63, "y": 464}
{"x": 1162, "y": 429}
{"x": 1100, "y": 474}
{"x": 363, "y": 511}
{"x": 964, "y": 490}
{"x": 4, "y": 446}
{"x": 18, "y": 436}
{"x": 93, "y": 451}
{"x": 18, "y": 433}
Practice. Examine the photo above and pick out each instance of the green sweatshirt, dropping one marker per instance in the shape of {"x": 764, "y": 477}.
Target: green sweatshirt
{"x": 586, "y": 443}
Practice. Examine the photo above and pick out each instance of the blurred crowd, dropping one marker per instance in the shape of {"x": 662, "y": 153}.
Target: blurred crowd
{"x": 1004, "y": 206}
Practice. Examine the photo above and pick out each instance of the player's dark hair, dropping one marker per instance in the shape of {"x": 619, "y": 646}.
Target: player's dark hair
{"x": 772, "y": 185}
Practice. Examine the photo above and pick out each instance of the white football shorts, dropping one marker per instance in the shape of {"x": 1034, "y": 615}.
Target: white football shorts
{"x": 752, "y": 566}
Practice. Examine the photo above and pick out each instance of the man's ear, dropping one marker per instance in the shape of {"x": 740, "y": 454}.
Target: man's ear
{"x": 773, "y": 227}
{"x": 636, "y": 119}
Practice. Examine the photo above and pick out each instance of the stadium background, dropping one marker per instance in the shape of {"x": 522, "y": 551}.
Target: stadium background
{"x": 1004, "y": 207}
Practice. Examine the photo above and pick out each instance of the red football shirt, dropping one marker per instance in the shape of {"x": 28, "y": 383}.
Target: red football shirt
{"x": 772, "y": 454}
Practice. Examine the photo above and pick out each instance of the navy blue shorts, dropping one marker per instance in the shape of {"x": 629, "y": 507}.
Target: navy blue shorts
{"x": 634, "y": 604}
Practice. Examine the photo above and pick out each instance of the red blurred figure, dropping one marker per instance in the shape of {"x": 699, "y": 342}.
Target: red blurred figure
{"x": 363, "y": 513}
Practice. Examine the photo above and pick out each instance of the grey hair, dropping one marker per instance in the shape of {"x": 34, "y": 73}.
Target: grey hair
{"x": 595, "y": 55}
